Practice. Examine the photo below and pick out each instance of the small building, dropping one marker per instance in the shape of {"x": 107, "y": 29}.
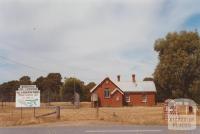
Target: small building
{"x": 117, "y": 93}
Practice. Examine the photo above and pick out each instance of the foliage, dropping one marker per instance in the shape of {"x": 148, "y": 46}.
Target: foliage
{"x": 72, "y": 85}
{"x": 51, "y": 87}
{"x": 25, "y": 80}
{"x": 7, "y": 90}
{"x": 86, "y": 92}
{"x": 148, "y": 79}
{"x": 178, "y": 69}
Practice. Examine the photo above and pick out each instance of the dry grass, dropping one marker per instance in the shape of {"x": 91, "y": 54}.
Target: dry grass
{"x": 10, "y": 116}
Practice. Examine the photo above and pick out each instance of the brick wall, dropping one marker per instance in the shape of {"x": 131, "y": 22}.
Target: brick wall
{"x": 136, "y": 99}
{"x": 118, "y": 99}
{"x": 115, "y": 100}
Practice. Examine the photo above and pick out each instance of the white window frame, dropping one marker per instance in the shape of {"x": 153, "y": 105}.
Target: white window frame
{"x": 144, "y": 98}
{"x": 127, "y": 98}
{"x": 108, "y": 91}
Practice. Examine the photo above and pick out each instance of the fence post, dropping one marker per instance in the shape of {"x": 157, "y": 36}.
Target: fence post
{"x": 97, "y": 110}
{"x": 21, "y": 112}
{"x": 34, "y": 112}
{"x": 58, "y": 112}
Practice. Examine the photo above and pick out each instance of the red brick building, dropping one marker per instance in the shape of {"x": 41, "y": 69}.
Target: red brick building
{"x": 117, "y": 93}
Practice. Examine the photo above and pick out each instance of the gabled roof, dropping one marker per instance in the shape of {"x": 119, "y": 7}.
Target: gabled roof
{"x": 143, "y": 86}
{"x": 91, "y": 90}
{"x": 116, "y": 89}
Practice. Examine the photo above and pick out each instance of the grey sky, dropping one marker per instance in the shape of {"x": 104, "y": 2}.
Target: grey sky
{"x": 88, "y": 39}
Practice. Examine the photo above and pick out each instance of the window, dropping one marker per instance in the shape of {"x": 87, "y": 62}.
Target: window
{"x": 106, "y": 93}
{"x": 107, "y": 82}
{"x": 128, "y": 98}
{"x": 144, "y": 98}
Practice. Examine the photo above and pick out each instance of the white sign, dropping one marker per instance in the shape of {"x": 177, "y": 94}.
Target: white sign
{"x": 27, "y": 96}
{"x": 94, "y": 97}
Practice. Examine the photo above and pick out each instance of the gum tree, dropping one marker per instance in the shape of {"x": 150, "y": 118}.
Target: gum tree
{"x": 178, "y": 71}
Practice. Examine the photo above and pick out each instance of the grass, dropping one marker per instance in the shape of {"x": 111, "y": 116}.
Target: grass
{"x": 11, "y": 116}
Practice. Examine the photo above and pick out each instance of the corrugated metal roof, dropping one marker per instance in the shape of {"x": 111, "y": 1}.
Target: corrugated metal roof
{"x": 143, "y": 86}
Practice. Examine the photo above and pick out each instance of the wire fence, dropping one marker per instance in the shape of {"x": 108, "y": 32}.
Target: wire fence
{"x": 9, "y": 115}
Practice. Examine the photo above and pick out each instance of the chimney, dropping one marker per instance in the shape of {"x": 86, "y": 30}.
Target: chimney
{"x": 133, "y": 77}
{"x": 118, "y": 78}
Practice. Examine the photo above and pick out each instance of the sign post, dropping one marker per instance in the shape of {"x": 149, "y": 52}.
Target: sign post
{"x": 21, "y": 112}
{"x": 27, "y": 96}
{"x": 34, "y": 112}
{"x": 94, "y": 100}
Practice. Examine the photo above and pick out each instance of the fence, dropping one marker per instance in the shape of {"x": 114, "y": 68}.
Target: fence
{"x": 9, "y": 115}
{"x": 174, "y": 109}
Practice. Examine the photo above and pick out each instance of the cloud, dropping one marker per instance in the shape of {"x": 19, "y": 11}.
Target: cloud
{"x": 90, "y": 39}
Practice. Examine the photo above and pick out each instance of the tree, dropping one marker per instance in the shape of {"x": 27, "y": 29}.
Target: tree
{"x": 25, "y": 80}
{"x": 49, "y": 87}
{"x": 7, "y": 90}
{"x": 87, "y": 89}
{"x": 195, "y": 91}
{"x": 70, "y": 86}
{"x": 40, "y": 83}
{"x": 53, "y": 84}
{"x": 148, "y": 79}
{"x": 179, "y": 65}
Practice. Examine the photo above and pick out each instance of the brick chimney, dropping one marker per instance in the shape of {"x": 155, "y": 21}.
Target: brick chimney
{"x": 118, "y": 78}
{"x": 133, "y": 78}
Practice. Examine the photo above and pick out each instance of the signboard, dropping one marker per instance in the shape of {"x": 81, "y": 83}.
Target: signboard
{"x": 94, "y": 97}
{"x": 182, "y": 114}
{"x": 27, "y": 96}
{"x": 76, "y": 100}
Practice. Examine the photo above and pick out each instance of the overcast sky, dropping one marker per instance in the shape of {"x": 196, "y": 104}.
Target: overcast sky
{"x": 89, "y": 39}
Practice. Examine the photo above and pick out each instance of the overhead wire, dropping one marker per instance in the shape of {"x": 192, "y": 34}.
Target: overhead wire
{"x": 22, "y": 64}
{"x": 32, "y": 67}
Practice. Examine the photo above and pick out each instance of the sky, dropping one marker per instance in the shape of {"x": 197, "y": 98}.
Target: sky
{"x": 90, "y": 39}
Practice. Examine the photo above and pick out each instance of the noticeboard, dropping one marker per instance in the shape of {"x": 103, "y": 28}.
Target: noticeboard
{"x": 94, "y": 97}
{"x": 27, "y": 96}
